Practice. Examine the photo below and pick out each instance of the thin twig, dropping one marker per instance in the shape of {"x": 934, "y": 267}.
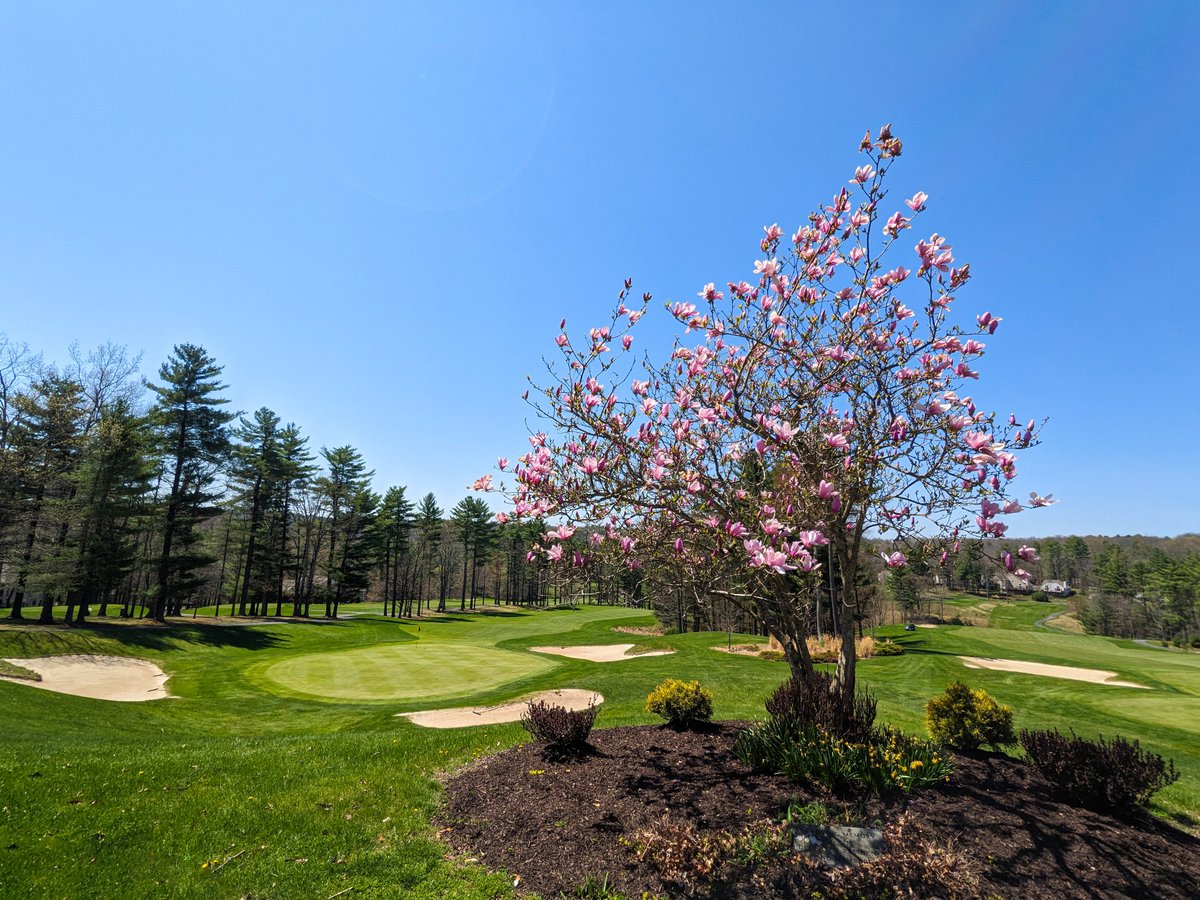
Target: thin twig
{"x": 339, "y": 893}
{"x": 228, "y": 861}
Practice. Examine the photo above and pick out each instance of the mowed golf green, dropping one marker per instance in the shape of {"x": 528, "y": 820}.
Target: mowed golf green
{"x": 413, "y": 671}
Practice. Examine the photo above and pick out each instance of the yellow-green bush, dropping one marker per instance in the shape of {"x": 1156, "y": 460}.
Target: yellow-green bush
{"x": 968, "y": 719}
{"x": 681, "y": 703}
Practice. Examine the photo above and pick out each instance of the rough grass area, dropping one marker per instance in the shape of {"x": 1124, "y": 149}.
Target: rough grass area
{"x": 12, "y": 670}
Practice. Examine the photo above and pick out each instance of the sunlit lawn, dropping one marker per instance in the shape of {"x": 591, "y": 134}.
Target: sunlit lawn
{"x": 282, "y": 770}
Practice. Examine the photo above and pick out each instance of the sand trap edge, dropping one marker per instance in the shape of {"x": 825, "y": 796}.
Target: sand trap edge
{"x": 468, "y": 716}
{"x": 1048, "y": 670}
{"x": 599, "y": 652}
{"x": 122, "y": 679}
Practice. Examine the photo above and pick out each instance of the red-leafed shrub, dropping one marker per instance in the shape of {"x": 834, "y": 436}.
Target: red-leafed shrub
{"x": 563, "y": 730}
{"x": 1115, "y": 776}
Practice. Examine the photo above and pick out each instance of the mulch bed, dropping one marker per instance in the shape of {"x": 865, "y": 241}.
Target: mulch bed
{"x": 557, "y": 823}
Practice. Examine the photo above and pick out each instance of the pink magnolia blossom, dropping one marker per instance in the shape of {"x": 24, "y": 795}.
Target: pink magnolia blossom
{"x": 482, "y": 484}
{"x": 1027, "y": 553}
{"x": 917, "y": 203}
{"x": 896, "y": 560}
{"x": 554, "y": 554}
{"x": 1035, "y": 500}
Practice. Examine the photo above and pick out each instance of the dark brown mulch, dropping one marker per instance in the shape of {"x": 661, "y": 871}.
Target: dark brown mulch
{"x": 557, "y": 823}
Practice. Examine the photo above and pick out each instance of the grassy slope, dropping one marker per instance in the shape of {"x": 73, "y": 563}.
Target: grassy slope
{"x": 317, "y": 795}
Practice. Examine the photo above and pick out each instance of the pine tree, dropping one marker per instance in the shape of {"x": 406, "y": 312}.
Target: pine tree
{"x": 112, "y": 482}
{"x": 396, "y": 523}
{"x": 255, "y": 470}
{"x": 352, "y": 511}
{"x": 190, "y": 425}
{"x": 46, "y": 440}
{"x": 429, "y": 532}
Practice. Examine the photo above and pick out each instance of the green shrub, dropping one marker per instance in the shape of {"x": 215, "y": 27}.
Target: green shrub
{"x": 888, "y": 647}
{"x": 1040, "y": 596}
{"x": 564, "y": 731}
{"x": 773, "y": 655}
{"x": 681, "y": 703}
{"x": 888, "y": 762}
{"x": 967, "y": 719}
{"x": 1116, "y": 776}
{"x": 812, "y": 700}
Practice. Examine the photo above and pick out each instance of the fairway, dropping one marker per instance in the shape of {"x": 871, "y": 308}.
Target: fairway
{"x": 259, "y": 704}
{"x": 407, "y": 672}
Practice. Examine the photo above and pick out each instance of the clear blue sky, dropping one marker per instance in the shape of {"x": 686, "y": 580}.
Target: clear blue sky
{"x": 374, "y": 214}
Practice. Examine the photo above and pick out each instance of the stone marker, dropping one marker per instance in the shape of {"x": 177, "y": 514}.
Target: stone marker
{"x": 838, "y": 846}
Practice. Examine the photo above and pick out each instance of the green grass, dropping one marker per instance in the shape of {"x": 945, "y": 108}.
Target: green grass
{"x": 282, "y": 771}
{"x": 422, "y": 671}
{"x": 12, "y": 670}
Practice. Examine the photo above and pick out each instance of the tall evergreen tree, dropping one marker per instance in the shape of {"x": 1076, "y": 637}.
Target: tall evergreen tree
{"x": 295, "y": 469}
{"x": 112, "y": 481}
{"x": 396, "y": 523}
{"x": 191, "y": 426}
{"x": 351, "y": 508}
{"x": 429, "y": 532}
{"x": 256, "y": 471}
{"x": 47, "y": 440}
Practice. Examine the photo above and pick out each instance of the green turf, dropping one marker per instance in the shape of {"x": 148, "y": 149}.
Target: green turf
{"x": 425, "y": 671}
{"x": 281, "y": 771}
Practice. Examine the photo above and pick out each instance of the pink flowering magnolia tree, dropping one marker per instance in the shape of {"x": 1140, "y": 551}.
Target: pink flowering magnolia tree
{"x": 820, "y": 404}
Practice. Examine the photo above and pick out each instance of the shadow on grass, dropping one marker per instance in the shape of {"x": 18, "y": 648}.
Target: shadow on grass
{"x": 85, "y": 639}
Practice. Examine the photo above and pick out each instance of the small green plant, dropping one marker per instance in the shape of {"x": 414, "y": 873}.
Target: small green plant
{"x": 887, "y": 762}
{"x": 1040, "y": 597}
{"x": 773, "y": 655}
{"x": 815, "y": 813}
{"x": 967, "y": 719}
{"x": 1117, "y": 776}
{"x": 682, "y": 703}
{"x": 595, "y": 888}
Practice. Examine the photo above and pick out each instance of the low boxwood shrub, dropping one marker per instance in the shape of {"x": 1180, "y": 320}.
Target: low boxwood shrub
{"x": 811, "y": 699}
{"x": 888, "y": 647}
{"x": 1040, "y": 597}
{"x": 1115, "y": 776}
{"x": 681, "y": 703}
{"x": 562, "y": 730}
{"x": 887, "y": 762}
{"x": 967, "y": 719}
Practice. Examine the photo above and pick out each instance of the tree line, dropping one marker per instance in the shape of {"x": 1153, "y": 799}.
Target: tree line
{"x": 146, "y": 498}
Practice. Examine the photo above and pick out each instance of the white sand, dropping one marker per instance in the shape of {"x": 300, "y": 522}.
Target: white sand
{"x": 1073, "y": 673}
{"x": 925, "y": 625}
{"x": 98, "y": 677}
{"x": 600, "y": 652}
{"x": 465, "y": 716}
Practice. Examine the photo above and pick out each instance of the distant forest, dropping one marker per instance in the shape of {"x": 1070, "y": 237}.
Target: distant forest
{"x": 149, "y": 498}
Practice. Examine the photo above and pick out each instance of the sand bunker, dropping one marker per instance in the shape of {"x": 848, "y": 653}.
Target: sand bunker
{"x": 465, "y": 716}
{"x": 600, "y": 652}
{"x": 1073, "y": 673}
{"x": 98, "y": 677}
